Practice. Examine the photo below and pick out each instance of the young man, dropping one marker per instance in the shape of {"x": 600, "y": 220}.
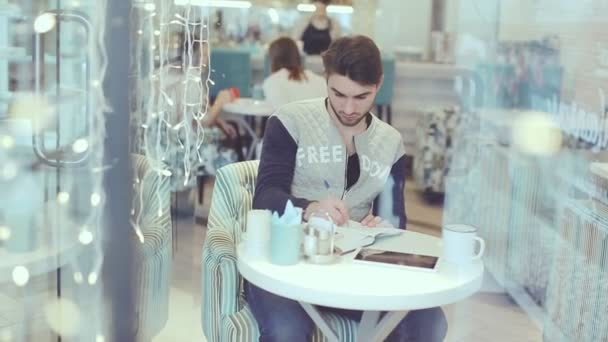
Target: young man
{"x": 332, "y": 154}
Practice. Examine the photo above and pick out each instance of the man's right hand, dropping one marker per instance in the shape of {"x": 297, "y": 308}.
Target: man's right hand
{"x": 335, "y": 207}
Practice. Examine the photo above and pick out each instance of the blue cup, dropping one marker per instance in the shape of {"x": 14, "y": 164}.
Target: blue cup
{"x": 285, "y": 243}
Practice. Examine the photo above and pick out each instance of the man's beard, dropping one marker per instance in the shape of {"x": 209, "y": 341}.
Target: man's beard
{"x": 347, "y": 124}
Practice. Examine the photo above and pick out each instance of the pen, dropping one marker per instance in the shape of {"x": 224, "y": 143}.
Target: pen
{"x": 333, "y": 226}
{"x": 326, "y": 184}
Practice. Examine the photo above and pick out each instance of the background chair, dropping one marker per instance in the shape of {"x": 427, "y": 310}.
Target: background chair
{"x": 225, "y": 313}
{"x": 153, "y": 255}
{"x": 384, "y": 98}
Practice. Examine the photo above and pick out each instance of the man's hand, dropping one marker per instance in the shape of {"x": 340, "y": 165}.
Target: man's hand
{"x": 374, "y": 221}
{"x": 335, "y": 207}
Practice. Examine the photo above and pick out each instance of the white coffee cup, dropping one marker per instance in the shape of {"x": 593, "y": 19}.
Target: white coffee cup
{"x": 459, "y": 242}
{"x": 258, "y": 232}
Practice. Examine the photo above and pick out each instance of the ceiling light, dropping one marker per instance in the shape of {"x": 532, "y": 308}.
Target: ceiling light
{"x": 339, "y": 9}
{"x": 215, "y": 3}
{"x": 306, "y": 8}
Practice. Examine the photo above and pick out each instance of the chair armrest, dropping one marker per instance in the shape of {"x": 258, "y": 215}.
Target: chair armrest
{"x": 155, "y": 239}
{"x": 219, "y": 245}
{"x": 220, "y": 282}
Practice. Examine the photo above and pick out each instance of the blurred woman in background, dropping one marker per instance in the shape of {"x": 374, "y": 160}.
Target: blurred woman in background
{"x": 289, "y": 81}
{"x": 318, "y": 30}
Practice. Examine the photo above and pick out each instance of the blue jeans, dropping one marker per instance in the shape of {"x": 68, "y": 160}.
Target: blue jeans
{"x": 281, "y": 319}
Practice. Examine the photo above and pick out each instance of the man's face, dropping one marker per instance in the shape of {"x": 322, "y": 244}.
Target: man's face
{"x": 349, "y": 100}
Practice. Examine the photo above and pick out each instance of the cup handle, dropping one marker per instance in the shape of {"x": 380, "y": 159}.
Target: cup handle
{"x": 482, "y": 247}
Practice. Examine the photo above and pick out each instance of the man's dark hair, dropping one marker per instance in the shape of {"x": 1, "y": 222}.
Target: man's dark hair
{"x": 356, "y": 57}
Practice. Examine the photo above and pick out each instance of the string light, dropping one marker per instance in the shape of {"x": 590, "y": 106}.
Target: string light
{"x": 92, "y": 278}
{"x": 21, "y": 275}
{"x": 170, "y": 94}
{"x": 60, "y": 219}
{"x": 7, "y": 141}
{"x": 78, "y": 278}
{"x": 95, "y": 199}
{"x": 5, "y": 233}
{"x": 80, "y": 146}
{"x": 45, "y": 22}
{"x": 63, "y": 197}
{"x": 85, "y": 237}
{"x": 63, "y": 316}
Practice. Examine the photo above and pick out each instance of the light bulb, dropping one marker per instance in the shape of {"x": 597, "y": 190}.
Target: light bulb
{"x": 63, "y": 316}
{"x": 5, "y": 233}
{"x": 7, "y": 142}
{"x": 21, "y": 275}
{"x": 45, "y": 22}
{"x": 63, "y": 197}
{"x": 85, "y": 237}
{"x": 78, "y": 278}
{"x": 92, "y": 278}
{"x": 80, "y": 146}
{"x": 95, "y": 199}
{"x": 536, "y": 133}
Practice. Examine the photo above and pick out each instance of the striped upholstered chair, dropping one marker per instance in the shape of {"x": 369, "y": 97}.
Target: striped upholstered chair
{"x": 225, "y": 313}
{"x": 151, "y": 205}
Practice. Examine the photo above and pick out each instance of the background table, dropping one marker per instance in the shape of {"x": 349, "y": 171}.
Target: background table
{"x": 237, "y": 111}
{"x": 367, "y": 287}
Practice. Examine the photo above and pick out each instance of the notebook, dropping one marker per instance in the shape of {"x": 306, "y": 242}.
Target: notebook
{"x": 354, "y": 235}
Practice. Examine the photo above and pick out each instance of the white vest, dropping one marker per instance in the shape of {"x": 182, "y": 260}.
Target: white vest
{"x": 321, "y": 159}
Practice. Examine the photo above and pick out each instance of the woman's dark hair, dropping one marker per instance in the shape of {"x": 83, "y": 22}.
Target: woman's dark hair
{"x": 356, "y": 57}
{"x": 283, "y": 53}
{"x": 324, "y": 2}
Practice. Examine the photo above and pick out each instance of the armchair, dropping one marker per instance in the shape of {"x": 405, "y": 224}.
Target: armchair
{"x": 225, "y": 313}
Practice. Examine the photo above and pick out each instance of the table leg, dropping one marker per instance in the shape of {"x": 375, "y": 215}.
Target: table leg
{"x": 247, "y": 127}
{"x": 385, "y": 326}
{"x": 320, "y": 322}
{"x": 58, "y": 293}
{"x": 369, "y": 320}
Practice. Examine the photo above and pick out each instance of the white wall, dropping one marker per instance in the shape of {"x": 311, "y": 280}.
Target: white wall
{"x": 403, "y": 23}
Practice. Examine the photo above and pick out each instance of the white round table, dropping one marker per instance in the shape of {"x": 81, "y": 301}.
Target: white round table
{"x": 242, "y": 107}
{"x": 367, "y": 287}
